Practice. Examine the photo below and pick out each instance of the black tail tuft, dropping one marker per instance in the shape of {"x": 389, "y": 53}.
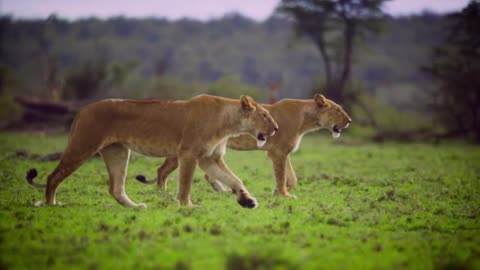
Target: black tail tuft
{"x": 144, "y": 180}
{"x": 141, "y": 178}
{"x": 31, "y": 174}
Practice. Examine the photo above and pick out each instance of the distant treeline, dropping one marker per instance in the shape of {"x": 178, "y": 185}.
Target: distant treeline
{"x": 130, "y": 53}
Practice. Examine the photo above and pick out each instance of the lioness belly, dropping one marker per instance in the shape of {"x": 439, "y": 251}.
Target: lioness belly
{"x": 152, "y": 148}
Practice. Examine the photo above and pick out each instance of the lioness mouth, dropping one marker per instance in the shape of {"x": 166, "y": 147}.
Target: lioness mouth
{"x": 261, "y": 140}
{"x": 336, "y": 132}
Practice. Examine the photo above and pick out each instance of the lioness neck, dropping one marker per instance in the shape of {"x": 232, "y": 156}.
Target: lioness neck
{"x": 232, "y": 121}
{"x": 296, "y": 115}
{"x": 309, "y": 120}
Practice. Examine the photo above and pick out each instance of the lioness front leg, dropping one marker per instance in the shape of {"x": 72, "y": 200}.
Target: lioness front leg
{"x": 116, "y": 158}
{"x": 279, "y": 166}
{"x": 187, "y": 164}
{"x": 216, "y": 168}
{"x": 291, "y": 177}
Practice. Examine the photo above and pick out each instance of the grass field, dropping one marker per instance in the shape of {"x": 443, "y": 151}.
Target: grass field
{"x": 359, "y": 206}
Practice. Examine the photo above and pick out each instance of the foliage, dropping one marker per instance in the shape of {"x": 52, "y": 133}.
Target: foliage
{"x": 379, "y": 121}
{"x": 85, "y": 82}
{"x": 95, "y": 79}
{"x": 456, "y": 68}
{"x": 384, "y": 206}
{"x": 347, "y": 19}
{"x": 169, "y": 88}
{"x": 374, "y": 115}
{"x": 228, "y": 86}
{"x": 232, "y": 87}
{"x": 9, "y": 111}
{"x": 195, "y": 51}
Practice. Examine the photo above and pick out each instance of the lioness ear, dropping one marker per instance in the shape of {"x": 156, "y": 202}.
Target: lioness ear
{"x": 247, "y": 104}
{"x": 320, "y": 100}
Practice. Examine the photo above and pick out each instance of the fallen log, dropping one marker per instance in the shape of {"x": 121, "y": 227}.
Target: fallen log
{"x": 41, "y": 114}
{"x": 47, "y": 107}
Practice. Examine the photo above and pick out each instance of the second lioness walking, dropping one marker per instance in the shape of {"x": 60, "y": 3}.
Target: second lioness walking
{"x": 295, "y": 118}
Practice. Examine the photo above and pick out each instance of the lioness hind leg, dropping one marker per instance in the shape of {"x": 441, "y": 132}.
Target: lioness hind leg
{"x": 116, "y": 159}
{"x": 72, "y": 158}
{"x": 56, "y": 177}
{"x": 217, "y": 185}
{"x": 168, "y": 166}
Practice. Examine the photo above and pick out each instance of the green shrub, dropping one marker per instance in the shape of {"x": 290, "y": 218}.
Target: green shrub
{"x": 233, "y": 87}
{"x": 172, "y": 88}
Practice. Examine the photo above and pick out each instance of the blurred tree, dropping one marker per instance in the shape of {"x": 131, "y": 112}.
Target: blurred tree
{"x": 171, "y": 88}
{"x": 97, "y": 79}
{"x": 163, "y": 63}
{"x": 115, "y": 82}
{"x": 456, "y": 68}
{"x": 91, "y": 79}
{"x": 122, "y": 26}
{"x": 249, "y": 70}
{"x": 9, "y": 109}
{"x": 52, "y": 78}
{"x": 52, "y": 81}
{"x": 85, "y": 82}
{"x": 254, "y": 52}
{"x": 333, "y": 26}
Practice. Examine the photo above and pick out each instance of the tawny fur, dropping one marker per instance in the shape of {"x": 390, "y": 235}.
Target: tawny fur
{"x": 193, "y": 131}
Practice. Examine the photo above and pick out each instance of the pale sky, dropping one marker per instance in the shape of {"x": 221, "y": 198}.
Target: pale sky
{"x": 197, "y": 9}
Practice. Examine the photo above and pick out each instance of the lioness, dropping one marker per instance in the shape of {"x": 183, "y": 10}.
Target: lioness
{"x": 295, "y": 118}
{"x": 194, "y": 131}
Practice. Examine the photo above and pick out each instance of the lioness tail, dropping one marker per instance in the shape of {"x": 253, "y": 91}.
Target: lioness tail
{"x": 143, "y": 179}
{"x": 31, "y": 174}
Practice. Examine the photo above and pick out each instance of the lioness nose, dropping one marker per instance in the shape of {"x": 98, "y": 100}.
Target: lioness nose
{"x": 275, "y": 128}
{"x": 349, "y": 121}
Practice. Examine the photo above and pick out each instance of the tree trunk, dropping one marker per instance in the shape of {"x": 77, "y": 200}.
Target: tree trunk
{"x": 327, "y": 64}
{"x": 349, "y": 35}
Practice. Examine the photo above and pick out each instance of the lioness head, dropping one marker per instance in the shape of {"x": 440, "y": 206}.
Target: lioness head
{"x": 257, "y": 120}
{"x": 330, "y": 115}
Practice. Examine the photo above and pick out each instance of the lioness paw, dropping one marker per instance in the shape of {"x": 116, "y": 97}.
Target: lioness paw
{"x": 38, "y": 204}
{"x": 141, "y": 205}
{"x": 186, "y": 204}
{"x": 291, "y": 196}
{"x": 285, "y": 194}
{"x": 247, "y": 202}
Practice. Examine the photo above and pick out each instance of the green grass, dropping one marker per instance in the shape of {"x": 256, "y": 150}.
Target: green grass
{"x": 359, "y": 206}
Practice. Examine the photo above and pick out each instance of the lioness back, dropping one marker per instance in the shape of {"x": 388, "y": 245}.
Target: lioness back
{"x": 139, "y": 124}
{"x": 151, "y": 127}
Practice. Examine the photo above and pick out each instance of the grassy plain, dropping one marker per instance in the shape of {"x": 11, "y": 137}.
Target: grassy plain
{"x": 359, "y": 206}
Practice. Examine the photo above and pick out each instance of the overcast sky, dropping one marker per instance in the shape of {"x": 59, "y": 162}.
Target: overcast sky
{"x": 198, "y": 9}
